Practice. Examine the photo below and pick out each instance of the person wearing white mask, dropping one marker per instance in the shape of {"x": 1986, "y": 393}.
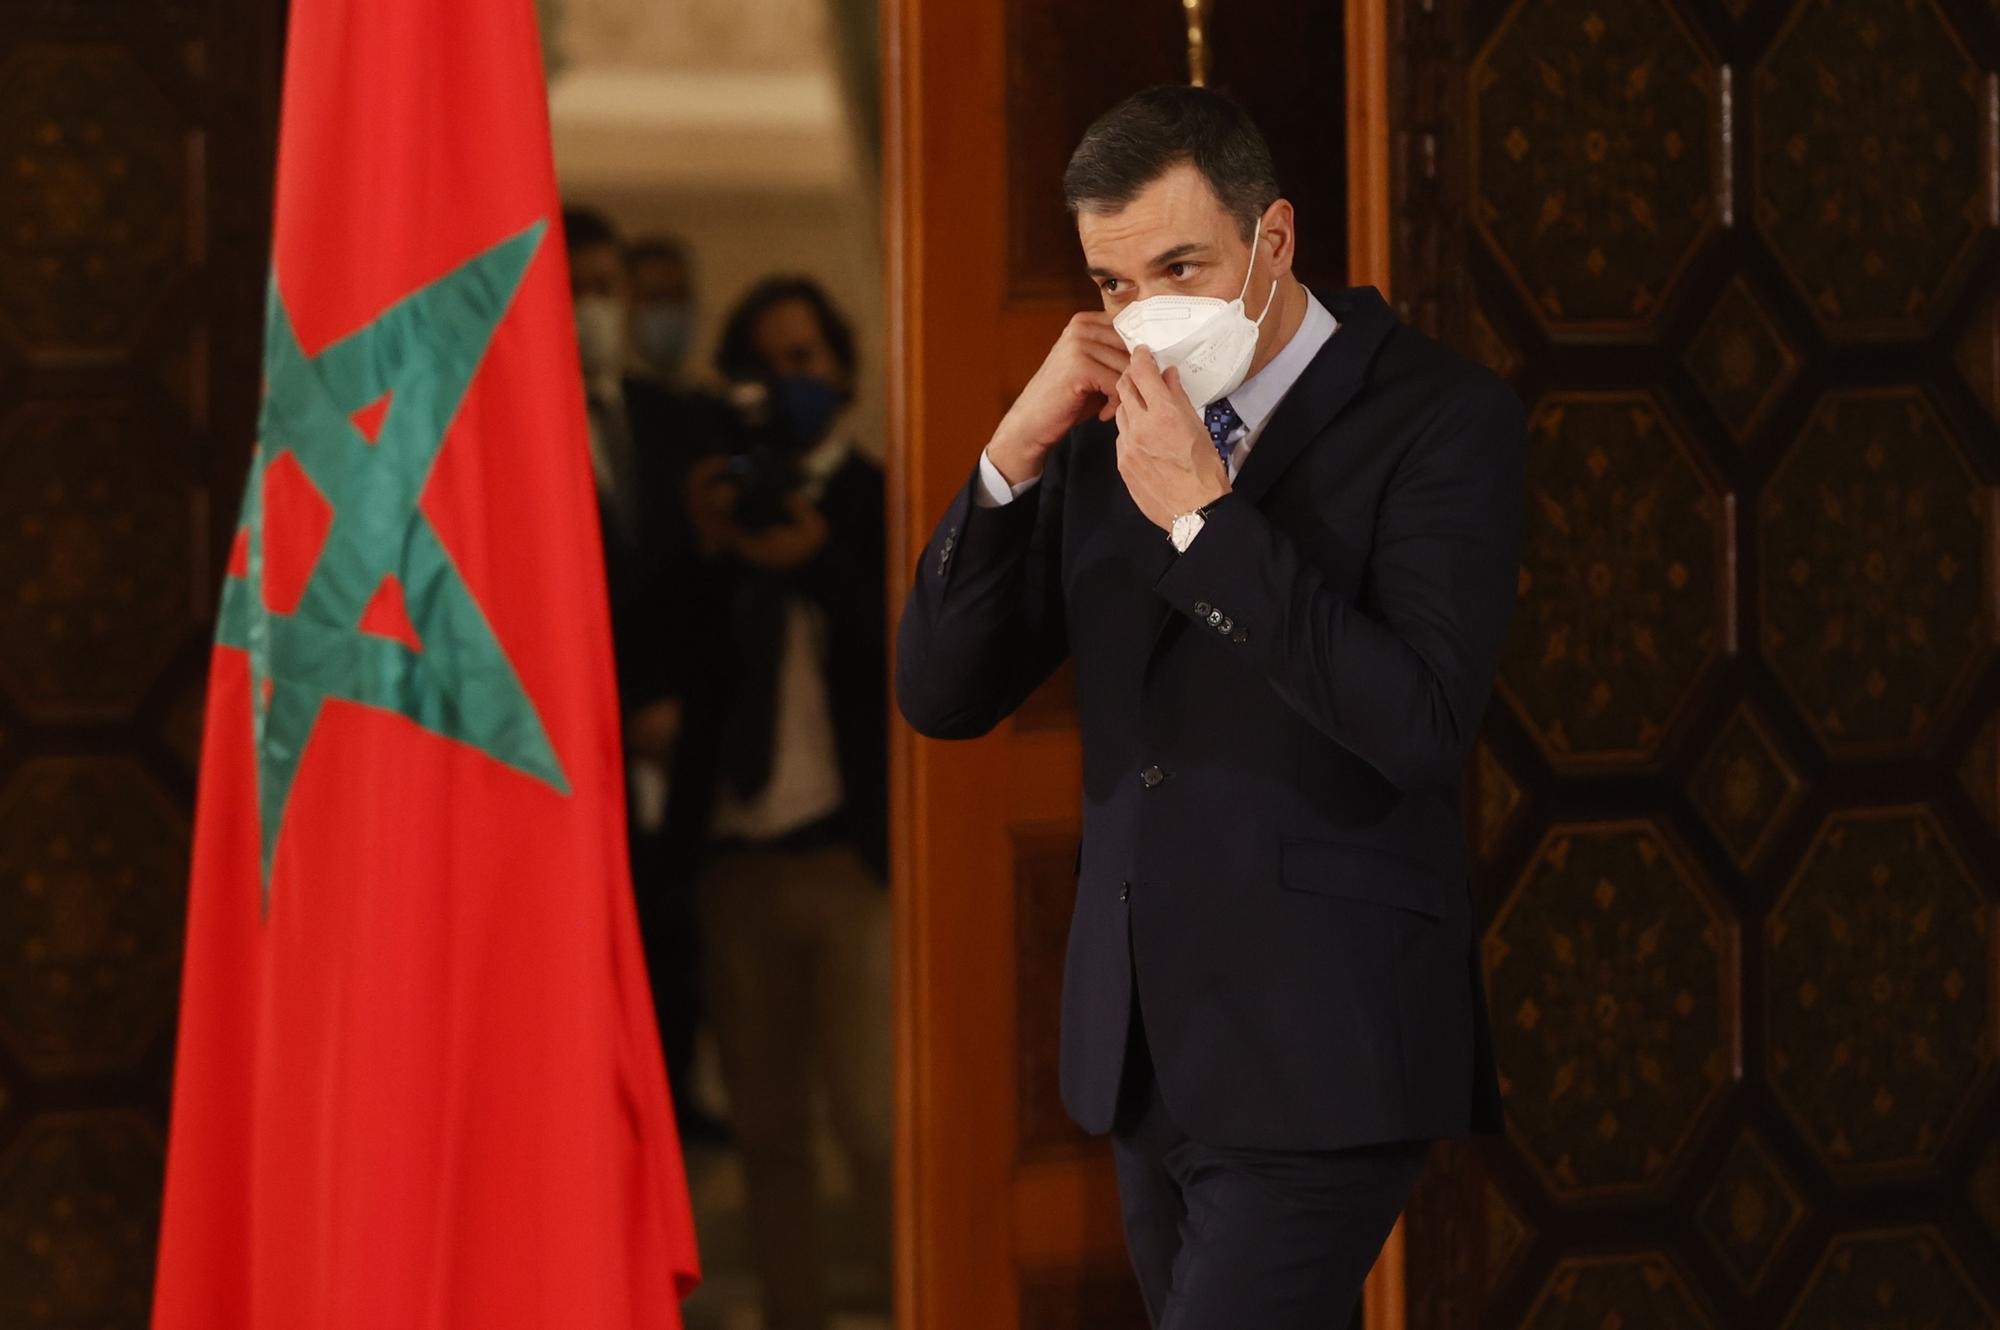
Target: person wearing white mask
{"x": 641, "y": 437}
{"x": 601, "y": 292}
{"x": 662, "y": 284}
{"x": 1276, "y": 533}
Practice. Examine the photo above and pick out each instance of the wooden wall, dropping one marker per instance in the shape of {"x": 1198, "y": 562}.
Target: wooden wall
{"x": 1737, "y": 807}
{"x": 136, "y": 142}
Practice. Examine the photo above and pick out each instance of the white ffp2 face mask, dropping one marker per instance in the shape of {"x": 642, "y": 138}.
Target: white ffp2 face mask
{"x": 1210, "y": 340}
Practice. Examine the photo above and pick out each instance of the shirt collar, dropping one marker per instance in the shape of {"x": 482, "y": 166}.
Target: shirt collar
{"x": 817, "y": 466}
{"x": 1258, "y": 396}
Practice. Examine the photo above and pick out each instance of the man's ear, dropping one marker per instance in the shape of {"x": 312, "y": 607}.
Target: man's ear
{"x": 1274, "y": 229}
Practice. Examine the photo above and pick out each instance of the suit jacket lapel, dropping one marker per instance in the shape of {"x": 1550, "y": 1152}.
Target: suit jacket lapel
{"x": 1325, "y": 387}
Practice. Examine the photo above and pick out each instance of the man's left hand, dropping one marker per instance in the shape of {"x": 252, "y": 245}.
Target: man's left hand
{"x": 1168, "y": 462}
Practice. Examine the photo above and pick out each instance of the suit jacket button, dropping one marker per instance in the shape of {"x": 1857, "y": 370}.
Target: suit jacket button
{"x": 1124, "y": 891}
{"x": 1225, "y": 626}
{"x": 1238, "y": 635}
{"x": 1201, "y": 608}
{"x": 1214, "y": 616}
{"x": 1151, "y": 776}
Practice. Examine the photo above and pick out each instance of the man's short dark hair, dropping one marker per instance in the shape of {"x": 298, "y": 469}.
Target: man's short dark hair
{"x": 1149, "y": 133}
{"x": 586, "y": 228}
{"x": 736, "y": 355}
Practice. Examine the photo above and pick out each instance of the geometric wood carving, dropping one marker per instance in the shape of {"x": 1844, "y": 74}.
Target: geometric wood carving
{"x": 1622, "y": 596}
{"x": 1611, "y": 983}
{"x": 94, "y": 217}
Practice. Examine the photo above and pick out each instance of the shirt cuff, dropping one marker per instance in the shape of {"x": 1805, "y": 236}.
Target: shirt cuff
{"x": 993, "y": 491}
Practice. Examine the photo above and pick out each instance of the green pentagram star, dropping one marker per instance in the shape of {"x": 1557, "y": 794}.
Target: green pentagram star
{"x": 421, "y": 353}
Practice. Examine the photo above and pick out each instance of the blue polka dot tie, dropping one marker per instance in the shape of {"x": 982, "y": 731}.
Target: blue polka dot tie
{"x": 1222, "y": 421}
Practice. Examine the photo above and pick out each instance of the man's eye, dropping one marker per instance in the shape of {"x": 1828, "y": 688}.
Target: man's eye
{"x": 1180, "y": 270}
{"x": 1110, "y": 285}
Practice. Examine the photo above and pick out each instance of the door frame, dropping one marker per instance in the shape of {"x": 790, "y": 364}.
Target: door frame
{"x": 936, "y": 1245}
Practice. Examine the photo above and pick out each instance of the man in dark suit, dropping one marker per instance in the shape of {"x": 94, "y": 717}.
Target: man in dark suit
{"x": 1281, "y": 555}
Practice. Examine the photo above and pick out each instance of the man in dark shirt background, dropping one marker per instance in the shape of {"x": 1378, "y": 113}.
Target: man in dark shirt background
{"x": 643, "y": 436}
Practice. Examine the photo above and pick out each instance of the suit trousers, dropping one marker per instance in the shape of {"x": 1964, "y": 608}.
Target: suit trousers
{"x": 797, "y": 974}
{"x": 1236, "y": 1239}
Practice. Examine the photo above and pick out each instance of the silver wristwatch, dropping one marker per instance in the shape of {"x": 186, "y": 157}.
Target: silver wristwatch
{"x": 1188, "y": 525}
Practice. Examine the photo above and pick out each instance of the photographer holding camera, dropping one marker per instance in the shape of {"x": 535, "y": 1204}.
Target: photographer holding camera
{"x": 783, "y": 773}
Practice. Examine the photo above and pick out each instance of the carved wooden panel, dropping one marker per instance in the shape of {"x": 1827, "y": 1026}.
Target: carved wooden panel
{"x": 1612, "y": 974}
{"x": 1745, "y": 786}
{"x": 136, "y": 143}
{"x": 1913, "y": 1270}
{"x": 1593, "y": 159}
{"x": 1879, "y": 994}
{"x": 1641, "y": 1290}
{"x": 98, "y": 533}
{"x": 92, "y": 856}
{"x": 1978, "y": 354}
{"x": 1751, "y": 695}
{"x": 1623, "y": 602}
{"x": 101, "y": 198}
{"x": 79, "y": 1207}
{"x": 1870, "y": 180}
{"x": 1740, "y": 359}
{"x": 1877, "y": 604}
{"x": 1750, "y": 1211}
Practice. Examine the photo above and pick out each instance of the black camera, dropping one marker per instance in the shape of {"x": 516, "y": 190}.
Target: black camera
{"x": 763, "y": 461}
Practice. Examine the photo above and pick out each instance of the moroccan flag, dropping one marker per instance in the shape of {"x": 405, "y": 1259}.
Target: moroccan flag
{"x": 419, "y": 1085}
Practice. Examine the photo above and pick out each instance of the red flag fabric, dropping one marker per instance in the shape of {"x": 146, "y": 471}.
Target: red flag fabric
{"x": 418, "y": 1084}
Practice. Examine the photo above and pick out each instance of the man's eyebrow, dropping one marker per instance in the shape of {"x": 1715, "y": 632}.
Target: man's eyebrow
{"x": 1160, "y": 260}
{"x": 1178, "y": 252}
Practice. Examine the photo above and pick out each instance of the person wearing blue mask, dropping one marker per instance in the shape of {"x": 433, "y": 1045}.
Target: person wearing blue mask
{"x": 1275, "y": 530}
{"x": 785, "y": 783}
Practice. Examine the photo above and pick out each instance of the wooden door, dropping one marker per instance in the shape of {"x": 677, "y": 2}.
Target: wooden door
{"x": 137, "y": 138}
{"x": 1007, "y": 1214}
{"x": 1737, "y": 795}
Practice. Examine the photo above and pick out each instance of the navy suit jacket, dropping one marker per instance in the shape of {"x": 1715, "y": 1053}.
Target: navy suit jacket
{"x": 1274, "y": 725}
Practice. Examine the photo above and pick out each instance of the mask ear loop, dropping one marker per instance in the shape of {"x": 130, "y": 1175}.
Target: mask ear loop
{"x": 1240, "y": 295}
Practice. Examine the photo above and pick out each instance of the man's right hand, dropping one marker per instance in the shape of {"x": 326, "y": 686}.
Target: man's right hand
{"x": 1080, "y": 374}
